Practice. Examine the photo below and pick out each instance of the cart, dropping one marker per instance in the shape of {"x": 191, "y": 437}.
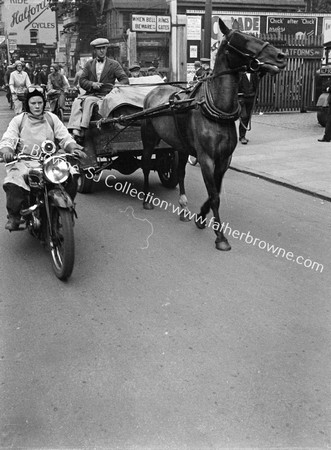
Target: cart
{"x": 115, "y": 143}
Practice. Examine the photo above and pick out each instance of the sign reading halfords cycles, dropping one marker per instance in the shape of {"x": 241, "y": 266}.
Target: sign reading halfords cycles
{"x": 23, "y": 15}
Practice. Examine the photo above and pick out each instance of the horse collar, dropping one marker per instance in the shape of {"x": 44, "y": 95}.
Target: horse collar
{"x": 210, "y": 110}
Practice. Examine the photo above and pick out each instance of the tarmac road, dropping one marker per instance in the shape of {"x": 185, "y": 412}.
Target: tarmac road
{"x": 158, "y": 341}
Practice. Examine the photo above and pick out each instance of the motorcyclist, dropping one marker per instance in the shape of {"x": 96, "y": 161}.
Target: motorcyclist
{"x": 24, "y": 134}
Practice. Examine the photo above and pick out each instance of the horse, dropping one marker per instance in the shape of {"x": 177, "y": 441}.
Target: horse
{"x": 206, "y": 127}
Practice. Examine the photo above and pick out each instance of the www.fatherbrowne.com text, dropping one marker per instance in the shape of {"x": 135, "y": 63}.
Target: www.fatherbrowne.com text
{"x": 127, "y": 189}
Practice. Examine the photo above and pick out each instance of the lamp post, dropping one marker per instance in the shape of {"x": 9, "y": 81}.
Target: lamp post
{"x": 173, "y": 47}
{"x": 207, "y": 33}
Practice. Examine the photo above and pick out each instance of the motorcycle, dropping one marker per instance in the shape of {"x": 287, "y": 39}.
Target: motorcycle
{"x": 51, "y": 211}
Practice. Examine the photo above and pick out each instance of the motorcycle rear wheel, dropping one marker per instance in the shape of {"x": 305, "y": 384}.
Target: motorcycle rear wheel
{"x": 62, "y": 247}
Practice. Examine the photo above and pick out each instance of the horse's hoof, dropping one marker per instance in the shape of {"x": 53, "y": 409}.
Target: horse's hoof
{"x": 148, "y": 206}
{"x": 184, "y": 217}
{"x": 223, "y": 245}
{"x": 200, "y": 223}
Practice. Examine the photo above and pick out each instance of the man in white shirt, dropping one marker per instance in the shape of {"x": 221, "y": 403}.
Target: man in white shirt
{"x": 97, "y": 79}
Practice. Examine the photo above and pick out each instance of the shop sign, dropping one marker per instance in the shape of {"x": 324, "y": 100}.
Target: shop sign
{"x": 163, "y": 24}
{"x": 12, "y": 45}
{"x": 22, "y": 16}
{"x": 141, "y": 22}
{"x": 303, "y": 52}
{"x": 247, "y": 24}
{"x": 299, "y": 27}
{"x": 194, "y": 28}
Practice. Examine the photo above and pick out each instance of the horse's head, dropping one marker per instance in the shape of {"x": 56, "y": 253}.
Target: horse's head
{"x": 247, "y": 50}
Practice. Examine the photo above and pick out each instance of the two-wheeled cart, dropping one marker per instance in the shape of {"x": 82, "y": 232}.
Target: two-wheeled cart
{"x": 115, "y": 143}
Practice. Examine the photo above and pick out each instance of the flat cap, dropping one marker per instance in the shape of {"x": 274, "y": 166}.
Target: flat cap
{"x": 45, "y": 66}
{"x": 100, "y": 42}
{"x": 197, "y": 63}
{"x": 134, "y": 67}
{"x": 151, "y": 69}
{"x": 205, "y": 60}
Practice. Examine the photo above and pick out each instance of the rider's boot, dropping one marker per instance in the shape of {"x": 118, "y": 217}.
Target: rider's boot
{"x": 17, "y": 198}
{"x": 13, "y": 223}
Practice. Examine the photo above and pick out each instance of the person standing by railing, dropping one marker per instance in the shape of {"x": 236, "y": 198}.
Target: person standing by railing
{"x": 247, "y": 91}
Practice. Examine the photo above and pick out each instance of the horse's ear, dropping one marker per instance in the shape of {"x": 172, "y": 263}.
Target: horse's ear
{"x": 224, "y": 29}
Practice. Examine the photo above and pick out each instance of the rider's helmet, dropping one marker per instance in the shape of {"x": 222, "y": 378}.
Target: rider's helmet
{"x": 34, "y": 91}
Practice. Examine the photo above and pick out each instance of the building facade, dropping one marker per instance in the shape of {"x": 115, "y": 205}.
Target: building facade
{"x": 29, "y": 27}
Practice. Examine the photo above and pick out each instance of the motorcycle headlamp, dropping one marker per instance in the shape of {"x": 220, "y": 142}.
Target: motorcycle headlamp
{"x": 56, "y": 169}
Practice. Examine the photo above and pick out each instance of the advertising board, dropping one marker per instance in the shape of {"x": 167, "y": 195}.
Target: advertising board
{"x": 22, "y": 16}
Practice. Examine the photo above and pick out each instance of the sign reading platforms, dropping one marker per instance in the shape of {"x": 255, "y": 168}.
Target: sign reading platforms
{"x": 161, "y": 24}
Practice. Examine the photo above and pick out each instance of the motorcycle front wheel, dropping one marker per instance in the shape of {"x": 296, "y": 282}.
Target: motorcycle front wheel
{"x": 61, "y": 242}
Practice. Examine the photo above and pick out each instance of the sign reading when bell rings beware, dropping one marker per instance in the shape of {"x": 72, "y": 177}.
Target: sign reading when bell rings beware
{"x": 161, "y": 24}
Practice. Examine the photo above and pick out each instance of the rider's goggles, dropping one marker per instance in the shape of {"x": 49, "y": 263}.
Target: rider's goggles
{"x": 35, "y": 88}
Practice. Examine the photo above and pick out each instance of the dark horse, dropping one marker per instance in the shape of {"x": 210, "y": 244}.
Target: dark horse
{"x": 207, "y": 130}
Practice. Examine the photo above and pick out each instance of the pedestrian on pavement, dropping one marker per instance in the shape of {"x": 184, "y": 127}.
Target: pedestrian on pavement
{"x": 25, "y": 134}
{"x": 247, "y": 92}
{"x": 327, "y": 132}
{"x": 9, "y": 70}
{"x": 205, "y": 62}
{"x": 199, "y": 71}
{"x": 2, "y": 75}
{"x": 97, "y": 79}
{"x": 42, "y": 76}
{"x": 29, "y": 70}
{"x": 19, "y": 81}
{"x": 36, "y": 71}
{"x": 135, "y": 70}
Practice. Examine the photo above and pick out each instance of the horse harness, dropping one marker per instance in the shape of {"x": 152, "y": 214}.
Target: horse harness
{"x": 177, "y": 105}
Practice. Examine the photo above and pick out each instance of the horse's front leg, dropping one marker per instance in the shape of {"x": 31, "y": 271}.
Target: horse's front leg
{"x": 213, "y": 177}
{"x": 182, "y": 161}
{"x": 221, "y": 241}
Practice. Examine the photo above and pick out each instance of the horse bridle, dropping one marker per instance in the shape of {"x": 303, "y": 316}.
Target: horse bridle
{"x": 254, "y": 63}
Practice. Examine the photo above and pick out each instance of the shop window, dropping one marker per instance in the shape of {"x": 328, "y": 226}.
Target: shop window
{"x": 34, "y": 36}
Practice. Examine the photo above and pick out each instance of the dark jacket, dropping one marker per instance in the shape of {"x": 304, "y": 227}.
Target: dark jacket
{"x": 199, "y": 74}
{"x": 42, "y": 77}
{"x": 247, "y": 88}
{"x": 112, "y": 71}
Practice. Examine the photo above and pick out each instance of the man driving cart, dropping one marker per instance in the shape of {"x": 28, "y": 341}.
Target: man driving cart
{"x": 97, "y": 79}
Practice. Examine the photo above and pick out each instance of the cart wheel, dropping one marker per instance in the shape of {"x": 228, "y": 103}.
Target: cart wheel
{"x": 167, "y": 164}
{"x": 84, "y": 184}
{"x": 321, "y": 116}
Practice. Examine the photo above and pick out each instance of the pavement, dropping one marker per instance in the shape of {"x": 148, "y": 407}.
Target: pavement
{"x": 282, "y": 148}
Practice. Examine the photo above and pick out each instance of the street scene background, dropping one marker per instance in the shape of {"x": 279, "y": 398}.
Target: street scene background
{"x": 158, "y": 340}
